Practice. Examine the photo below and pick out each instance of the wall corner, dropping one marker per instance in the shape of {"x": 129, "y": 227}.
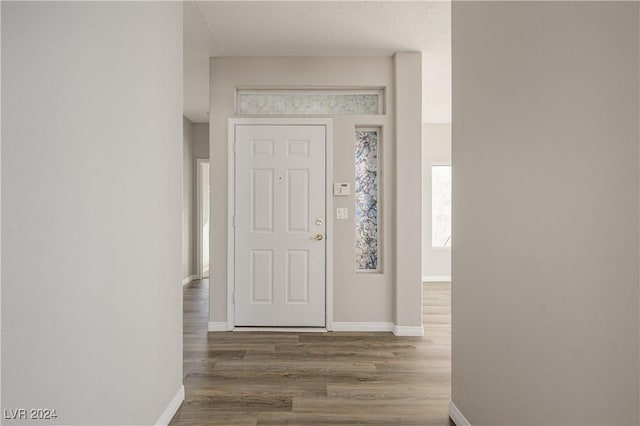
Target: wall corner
{"x": 408, "y": 157}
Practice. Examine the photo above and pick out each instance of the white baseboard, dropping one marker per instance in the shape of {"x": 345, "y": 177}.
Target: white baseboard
{"x": 190, "y": 278}
{"x": 283, "y": 329}
{"x": 172, "y": 408}
{"x": 408, "y": 330}
{"x": 456, "y": 415}
{"x": 362, "y": 326}
{"x": 398, "y": 330}
{"x": 436, "y": 279}
{"x": 217, "y": 326}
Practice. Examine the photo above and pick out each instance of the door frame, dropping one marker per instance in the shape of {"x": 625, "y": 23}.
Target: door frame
{"x": 199, "y": 221}
{"x": 231, "y": 203}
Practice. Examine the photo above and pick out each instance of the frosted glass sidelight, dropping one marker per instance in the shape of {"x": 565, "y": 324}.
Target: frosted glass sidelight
{"x": 366, "y": 196}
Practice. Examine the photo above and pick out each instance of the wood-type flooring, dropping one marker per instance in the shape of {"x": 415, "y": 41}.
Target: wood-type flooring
{"x": 267, "y": 378}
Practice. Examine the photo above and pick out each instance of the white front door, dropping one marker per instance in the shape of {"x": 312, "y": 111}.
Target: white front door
{"x": 280, "y": 225}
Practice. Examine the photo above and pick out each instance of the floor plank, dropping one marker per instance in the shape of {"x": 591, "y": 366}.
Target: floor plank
{"x": 261, "y": 378}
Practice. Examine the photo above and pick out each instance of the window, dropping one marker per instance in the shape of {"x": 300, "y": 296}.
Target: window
{"x": 441, "y": 206}
{"x": 310, "y": 102}
{"x": 366, "y": 197}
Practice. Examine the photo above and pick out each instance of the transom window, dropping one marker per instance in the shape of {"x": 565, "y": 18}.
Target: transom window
{"x": 309, "y": 102}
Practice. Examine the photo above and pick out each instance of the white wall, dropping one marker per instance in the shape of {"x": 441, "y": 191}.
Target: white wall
{"x": 436, "y": 149}
{"x": 546, "y": 212}
{"x": 91, "y": 175}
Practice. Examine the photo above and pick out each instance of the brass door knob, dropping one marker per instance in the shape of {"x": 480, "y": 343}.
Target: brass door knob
{"x": 318, "y": 237}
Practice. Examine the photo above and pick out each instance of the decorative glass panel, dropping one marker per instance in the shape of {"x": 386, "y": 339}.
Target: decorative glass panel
{"x": 366, "y": 195}
{"x": 309, "y": 102}
{"x": 441, "y": 206}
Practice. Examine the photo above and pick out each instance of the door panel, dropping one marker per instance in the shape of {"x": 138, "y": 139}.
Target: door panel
{"x": 298, "y": 201}
{"x": 280, "y": 195}
{"x": 262, "y": 198}
{"x": 261, "y": 270}
{"x": 297, "y": 276}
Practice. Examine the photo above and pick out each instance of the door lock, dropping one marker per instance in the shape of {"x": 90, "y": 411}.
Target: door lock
{"x": 318, "y": 237}
{"x": 318, "y": 221}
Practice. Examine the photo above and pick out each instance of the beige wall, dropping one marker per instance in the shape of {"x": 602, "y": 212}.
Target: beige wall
{"x": 408, "y": 196}
{"x": 546, "y": 215}
{"x": 357, "y": 297}
{"x": 91, "y": 153}
{"x": 200, "y": 140}
{"x": 195, "y": 145}
{"x": 436, "y": 149}
{"x": 188, "y": 203}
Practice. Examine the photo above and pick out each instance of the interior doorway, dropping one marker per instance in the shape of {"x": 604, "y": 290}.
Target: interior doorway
{"x": 204, "y": 217}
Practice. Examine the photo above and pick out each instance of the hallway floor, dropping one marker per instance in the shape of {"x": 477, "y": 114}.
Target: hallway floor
{"x": 262, "y": 378}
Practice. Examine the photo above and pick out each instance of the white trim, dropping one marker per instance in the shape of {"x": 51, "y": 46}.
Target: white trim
{"x": 408, "y": 330}
{"x": 171, "y": 409}
{"x": 328, "y": 262}
{"x": 283, "y": 329}
{"x": 314, "y": 91}
{"x": 371, "y": 327}
{"x": 190, "y": 278}
{"x": 231, "y": 164}
{"x": 436, "y": 278}
{"x": 217, "y": 326}
{"x": 231, "y": 203}
{"x": 456, "y": 415}
{"x": 363, "y": 326}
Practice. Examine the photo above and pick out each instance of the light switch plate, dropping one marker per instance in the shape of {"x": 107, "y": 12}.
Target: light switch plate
{"x": 342, "y": 213}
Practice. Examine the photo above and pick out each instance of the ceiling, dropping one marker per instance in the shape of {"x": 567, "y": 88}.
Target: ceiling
{"x": 318, "y": 28}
